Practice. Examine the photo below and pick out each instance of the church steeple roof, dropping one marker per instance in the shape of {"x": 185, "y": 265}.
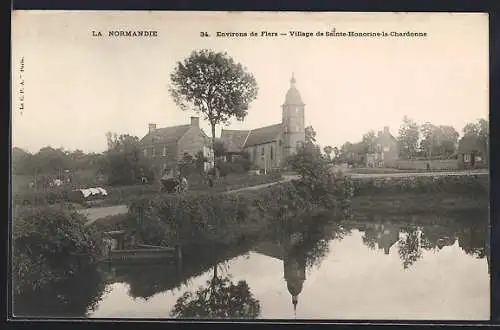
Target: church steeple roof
{"x": 293, "y": 96}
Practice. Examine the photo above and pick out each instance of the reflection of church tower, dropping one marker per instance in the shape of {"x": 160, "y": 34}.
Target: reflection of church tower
{"x": 295, "y": 272}
{"x": 293, "y": 119}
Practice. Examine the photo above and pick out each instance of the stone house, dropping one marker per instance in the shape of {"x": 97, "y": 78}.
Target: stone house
{"x": 165, "y": 147}
{"x": 386, "y": 150}
{"x": 268, "y": 147}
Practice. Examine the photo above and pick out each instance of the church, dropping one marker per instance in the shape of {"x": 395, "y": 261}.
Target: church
{"x": 268, "y": 147}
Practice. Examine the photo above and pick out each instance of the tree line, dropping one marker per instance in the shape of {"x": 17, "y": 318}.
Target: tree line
{"x": 424, "y": 141}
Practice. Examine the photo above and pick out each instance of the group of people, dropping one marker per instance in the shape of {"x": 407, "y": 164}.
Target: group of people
{"x": 173, "y": 183}
{"x": 178, "y": 183}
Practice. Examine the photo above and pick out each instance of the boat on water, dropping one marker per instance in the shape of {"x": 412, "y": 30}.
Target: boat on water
{"x": 121, "y": 246}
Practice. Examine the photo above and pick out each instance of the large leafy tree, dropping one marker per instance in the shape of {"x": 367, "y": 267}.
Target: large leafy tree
{"x": 408, "y": 137}
{"x": 438, "y": 140}
{"x": 479, "y": 129}
{"x": 124, "y": 162}
{"x": 213, "y": 84}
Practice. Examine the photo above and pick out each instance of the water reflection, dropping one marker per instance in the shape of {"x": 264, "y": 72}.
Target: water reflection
{"x": 220, "y": 298}
{"x": 375, "y": 264}
{"x": 74, "y": 297}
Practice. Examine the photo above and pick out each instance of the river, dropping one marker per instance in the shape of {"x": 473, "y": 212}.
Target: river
{"x": 428, "y": 266}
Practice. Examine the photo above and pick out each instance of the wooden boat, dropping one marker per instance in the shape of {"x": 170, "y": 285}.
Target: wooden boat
{"x": 121, "y": 247}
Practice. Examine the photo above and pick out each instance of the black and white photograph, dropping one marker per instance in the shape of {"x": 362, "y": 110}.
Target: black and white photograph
{"x": 250, "y": 166}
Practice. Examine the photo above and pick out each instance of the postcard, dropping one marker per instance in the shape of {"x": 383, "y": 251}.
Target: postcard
{"x": 250, "y": 165}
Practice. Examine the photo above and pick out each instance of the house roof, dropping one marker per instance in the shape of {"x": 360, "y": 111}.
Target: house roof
{"x": 468, "y": 143}
{"x": 263, "y": 135}
{"x": 166, "y": 135}
{"x": 234, "y": 140}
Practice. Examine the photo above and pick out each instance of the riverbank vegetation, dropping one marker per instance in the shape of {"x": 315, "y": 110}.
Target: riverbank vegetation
{"x": 469, "y": 185}
{"x": 50, "y": 244}
{"x": 123, "y": 194}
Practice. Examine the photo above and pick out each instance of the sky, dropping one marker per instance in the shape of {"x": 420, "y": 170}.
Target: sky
{"x": 78, "y": 87}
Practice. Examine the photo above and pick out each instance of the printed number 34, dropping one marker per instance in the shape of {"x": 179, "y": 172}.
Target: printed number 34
{"x": 204, "y": 34}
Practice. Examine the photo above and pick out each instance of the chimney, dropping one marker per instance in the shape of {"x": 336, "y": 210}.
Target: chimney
{"x": 195, "y": 121}
{"x": 151, "y": 128}
{"x": 386, "y": 129}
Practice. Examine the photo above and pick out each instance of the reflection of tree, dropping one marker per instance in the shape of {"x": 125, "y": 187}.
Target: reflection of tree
{"x": 315, "y": 238}
{"x": 473, "y": 240}
{"x": 220, "y": 298}
{"x": 436, "y": 237}
{"x": 72, "y": 297}
{"x": 409, "y": 247}
{"x": 370, "y": 238}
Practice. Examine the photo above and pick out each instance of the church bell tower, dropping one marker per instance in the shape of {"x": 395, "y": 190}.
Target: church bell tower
{"x": 293, "y": 120}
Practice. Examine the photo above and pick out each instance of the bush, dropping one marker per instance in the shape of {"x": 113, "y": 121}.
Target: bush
{"x": 50, "y": 244}
{"x": 40, "y": 197}
{"x": 216, "y": 218}
{"x": 456, "y": 184}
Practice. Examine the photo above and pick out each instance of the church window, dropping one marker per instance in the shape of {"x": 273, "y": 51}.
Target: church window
{"x": 272, "y": 153}
{"x": 262, "y": 151}
{"x": 145, "y": 152}
{"x": 254, "y": 154}
{"x": 280, "y": 143}
{"x": 164, "y": 151}
{"x": 297, "y": 110}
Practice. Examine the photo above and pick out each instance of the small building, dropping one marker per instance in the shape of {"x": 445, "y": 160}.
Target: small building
{"x": 386, "y": 150}
{"x": 166, "y": 146}
{"x": 471, "y": 152}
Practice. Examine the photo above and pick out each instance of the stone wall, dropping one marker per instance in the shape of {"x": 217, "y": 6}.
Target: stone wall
{"x": 444, "y": 164}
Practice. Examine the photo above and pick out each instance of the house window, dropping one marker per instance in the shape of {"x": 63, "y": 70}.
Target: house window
{"x": 164, "y": 166}
{"x": 280, "y": 143}
{"x": 153, "y": 152}
{"x": 467, "y": 158}
{"x": 154, "y": 139}
{"x": 254, "y": 154}
{"x": 262, "y": 151}
{"x": 297, "y": 110}
{"x": 272, "y": 153}
{"x": 164, "y": 151}
{"x": 145, "y": 152}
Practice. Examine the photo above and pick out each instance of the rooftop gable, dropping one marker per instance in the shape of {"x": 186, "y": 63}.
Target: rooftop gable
{"x": 166, "y": 135}
{"x": 263, "y": 135}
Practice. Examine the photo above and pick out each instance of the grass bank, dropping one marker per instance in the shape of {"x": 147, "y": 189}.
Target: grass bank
{"x": 469, "y": 185}
{"x": 123, "y": 195}
{"x": 207, "y": 218}
{"x": 411, "y": 203}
